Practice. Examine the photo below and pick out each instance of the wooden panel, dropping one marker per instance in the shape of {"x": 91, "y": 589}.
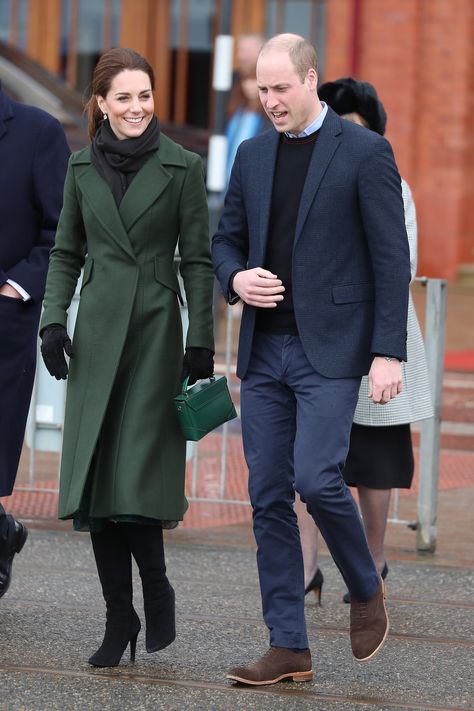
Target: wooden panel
{"x": 182, "y": 66}
{"x": 134, "y": 25}
{"x": 44, "y": 32}
{"x": 248, "y": 16}
{"x": 71, "y": 67}
{"x": 145, "y": 27}
{"x": 159, "y": 55}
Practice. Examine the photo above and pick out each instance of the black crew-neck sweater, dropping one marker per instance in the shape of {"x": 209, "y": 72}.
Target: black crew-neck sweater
{"x": 294, "y": 155}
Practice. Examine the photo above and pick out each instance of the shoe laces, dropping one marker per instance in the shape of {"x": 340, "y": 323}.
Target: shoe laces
{"x": 360, "y": 610}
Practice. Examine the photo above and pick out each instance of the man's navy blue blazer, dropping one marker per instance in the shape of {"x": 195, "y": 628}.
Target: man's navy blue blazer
{"x": 351, "y": 265}
{"x": 34, "y": 155}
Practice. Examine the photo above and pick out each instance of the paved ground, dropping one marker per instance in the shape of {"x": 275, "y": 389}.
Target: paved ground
{"x": 51, "y": 620}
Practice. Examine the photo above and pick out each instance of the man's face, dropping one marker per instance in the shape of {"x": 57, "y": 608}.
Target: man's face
{"x": 290, "y": 103}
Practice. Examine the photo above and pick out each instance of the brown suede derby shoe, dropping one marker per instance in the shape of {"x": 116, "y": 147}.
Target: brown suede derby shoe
{"x": 369, "y": 625}
{"x": 13, "y": 545}
{"x": 277, "y": 663}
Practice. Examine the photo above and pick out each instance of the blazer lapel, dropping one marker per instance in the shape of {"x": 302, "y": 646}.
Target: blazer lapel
{"x": 326, "y": 145}
{"x": 101, "y": 201}
{"x": 264, "y": 182}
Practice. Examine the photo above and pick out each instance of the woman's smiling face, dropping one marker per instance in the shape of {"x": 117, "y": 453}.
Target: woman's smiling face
{"x": 128, "y": 104}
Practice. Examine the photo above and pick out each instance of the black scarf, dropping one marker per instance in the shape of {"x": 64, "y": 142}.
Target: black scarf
{"x": 118, "y": 161}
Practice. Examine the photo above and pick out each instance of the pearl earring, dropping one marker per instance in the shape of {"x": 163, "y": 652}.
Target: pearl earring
{"x": 105, "y": 117}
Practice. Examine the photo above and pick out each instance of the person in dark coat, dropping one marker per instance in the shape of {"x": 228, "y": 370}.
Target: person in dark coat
{"x": 33, "y": 160}
{"x": 312, "y": 239}
{"x": 129, "y": 200}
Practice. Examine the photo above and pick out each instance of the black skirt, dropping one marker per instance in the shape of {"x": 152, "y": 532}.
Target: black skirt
{"x": 380, "y": 457}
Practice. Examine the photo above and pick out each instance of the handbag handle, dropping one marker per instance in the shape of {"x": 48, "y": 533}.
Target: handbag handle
{"x": 185, "y": 383}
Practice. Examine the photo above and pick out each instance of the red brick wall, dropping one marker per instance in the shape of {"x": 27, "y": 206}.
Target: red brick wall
{"x": 419, "y": 54}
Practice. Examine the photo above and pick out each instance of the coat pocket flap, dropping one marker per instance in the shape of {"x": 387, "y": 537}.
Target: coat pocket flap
{"x": 166, "y": 275}
{"x": 351, "y": 293}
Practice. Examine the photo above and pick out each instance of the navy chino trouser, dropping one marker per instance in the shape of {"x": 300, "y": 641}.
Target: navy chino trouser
{"x": 296, "y": 428}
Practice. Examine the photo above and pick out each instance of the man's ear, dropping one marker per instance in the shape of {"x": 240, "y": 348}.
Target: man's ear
{"x": 312, "y": 78}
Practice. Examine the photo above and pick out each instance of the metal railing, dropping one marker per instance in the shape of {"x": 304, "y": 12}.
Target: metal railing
{"x": 430, "y": 431}
{"x": 435, "y": 320}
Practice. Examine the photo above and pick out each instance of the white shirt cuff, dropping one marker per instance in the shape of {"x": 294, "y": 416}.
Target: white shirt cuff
{"x": 24, "y": 294}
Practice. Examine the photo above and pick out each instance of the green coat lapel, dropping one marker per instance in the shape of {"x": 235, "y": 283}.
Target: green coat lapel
{"x": 151, "y": 181}
{"x": 148, "y": 184}
{"x": 100, "y": 199}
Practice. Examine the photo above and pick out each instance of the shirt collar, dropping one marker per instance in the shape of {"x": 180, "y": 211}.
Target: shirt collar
{"x": 313, "y": 126}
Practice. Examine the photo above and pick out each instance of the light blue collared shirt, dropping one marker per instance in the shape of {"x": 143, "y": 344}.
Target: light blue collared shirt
{"x": 314, "y": 126}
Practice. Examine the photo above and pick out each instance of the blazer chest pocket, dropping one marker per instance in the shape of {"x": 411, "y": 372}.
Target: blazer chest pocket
{"x": 165, "y": 275}
{"x": 352, "y": 293}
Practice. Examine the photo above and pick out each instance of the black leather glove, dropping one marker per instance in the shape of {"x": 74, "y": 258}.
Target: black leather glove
{"x": 197, "y": 363}
{"x": 54, "y": 341}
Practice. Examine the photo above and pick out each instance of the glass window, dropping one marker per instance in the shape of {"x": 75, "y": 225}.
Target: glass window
{"x": 201, "y": 13}
{"x": 303, "y": 17}
{"x": 4, "y": 20}
{"x": 89, "y": 39}
{"x": 95, "y": 21}
{"x": 116, "y": 20}
{"x": 64, "y": 40}
{"x": 198, "y": 58}
{"x": 22, "y": 23}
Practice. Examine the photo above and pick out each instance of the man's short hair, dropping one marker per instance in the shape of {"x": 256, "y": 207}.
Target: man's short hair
{"x": 301, "y": 52}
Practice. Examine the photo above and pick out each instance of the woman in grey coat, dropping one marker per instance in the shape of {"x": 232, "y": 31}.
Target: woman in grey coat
{"x": 380, "y": 456}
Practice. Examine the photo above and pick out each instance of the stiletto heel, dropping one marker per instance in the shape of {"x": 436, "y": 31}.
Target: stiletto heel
{"x": 316, "y": 584}
{"x": 116, "y": 640}
{"x": 133, "y": 646}
{"x": 347, "y": 596}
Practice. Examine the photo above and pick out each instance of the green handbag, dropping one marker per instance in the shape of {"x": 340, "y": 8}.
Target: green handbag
{"x": 203, "y": 407}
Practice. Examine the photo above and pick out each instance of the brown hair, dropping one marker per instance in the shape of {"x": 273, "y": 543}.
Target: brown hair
{"x": 301, "y": 52}
{"x": 110, "y": 64}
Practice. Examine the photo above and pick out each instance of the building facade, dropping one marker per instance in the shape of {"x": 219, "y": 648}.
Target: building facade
{"x": 418, "y": 53}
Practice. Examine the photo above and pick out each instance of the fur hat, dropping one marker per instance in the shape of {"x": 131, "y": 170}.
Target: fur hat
{"x": 347, "y": 95}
